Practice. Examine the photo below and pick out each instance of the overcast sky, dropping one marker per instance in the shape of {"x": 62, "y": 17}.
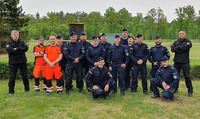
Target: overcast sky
{"x": 133, "y": 6}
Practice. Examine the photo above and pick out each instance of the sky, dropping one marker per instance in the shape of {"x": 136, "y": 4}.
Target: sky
{"x": 133, "y": 6}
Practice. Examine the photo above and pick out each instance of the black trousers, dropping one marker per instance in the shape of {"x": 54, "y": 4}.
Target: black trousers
{"x": 186, "y": 71}
{"x": 13, "y": 72}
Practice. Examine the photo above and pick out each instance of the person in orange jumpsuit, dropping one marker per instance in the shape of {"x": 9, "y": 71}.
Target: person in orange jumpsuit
{"x": 40, "y": 64}
{"x": 53, "y": 55}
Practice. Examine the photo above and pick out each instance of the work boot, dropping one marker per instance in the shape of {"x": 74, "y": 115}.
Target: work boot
{"x": 190, "y": 94}
{"x": 67, "y": 92}
{"x": 155, "y": 96}
{"x": 122, "y": 93}
{"x": 82, "y": 91}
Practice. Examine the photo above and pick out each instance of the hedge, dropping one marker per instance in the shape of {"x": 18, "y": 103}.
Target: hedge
{"x": 4, "y": 71}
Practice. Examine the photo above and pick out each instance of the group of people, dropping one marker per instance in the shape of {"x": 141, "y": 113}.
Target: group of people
{"x": 103, "y": 64}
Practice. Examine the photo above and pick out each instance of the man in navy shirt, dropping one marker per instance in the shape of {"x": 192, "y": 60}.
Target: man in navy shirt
{"x": 74, "y": 52}
{"x": 117, "y": 61}
{"x": 106, "y": 46}
{"x": 124, "y": 39}
{"x": 100, "y": 80}
{"x": 139, "y": 53}
{"x": 155, "y": 55}
{"x": 86, "y": 45}
{"x": 166, "y": 78}
{"x": 94, "y": 52}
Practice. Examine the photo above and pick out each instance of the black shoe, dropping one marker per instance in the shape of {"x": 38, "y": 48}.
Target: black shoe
{"x": 106, "y": 98}
{"x": 77, "y": 89}
{"x": 150, "y": 91}
{"x": 28, "y": 91}
{"x": 122, "y": 93}
{"x": 71, "y": 89}
{"x": 48, "y": 93}
{"x": 11, "y": 94}
{"x": 133, "y": 93}
{"x": 155, "y": 96}
{"x": 113, "y": 92}
{"x": 146, "y": 93}
{"x": 190, "y": 94}
{"x": 172, "y": 98}
{"x": 67, "y": 92}
{"x": 127, "y": 89}
{"x": 45, "y": 89}
{"x": 176, "y": 91}
{"x": 59, "y": 92}
{"x": 82, "y": 91}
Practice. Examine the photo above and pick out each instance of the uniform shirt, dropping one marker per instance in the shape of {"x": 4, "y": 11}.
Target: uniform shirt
{"x": 39, "y": 60}
{"x": 63, "y": 61}
{"x": 98, "y": 76}
{"x": 169, "y": 75}
{"x": 118, "y": 54}
{"x": 128, "y": 48}
{"x": 86, "y": 45}
{"x": 139, "y": 52}
{"x": 52, "y": 52}
{"x": 181, "y": 49}
{"x": 156, "y": 53}
{"x": 93, "y": 53}
{"x": 74, "y": 50}
{"x": 124, "y": 41}
{"x": 106, "y": 46}
{"x": 16, "y": 56}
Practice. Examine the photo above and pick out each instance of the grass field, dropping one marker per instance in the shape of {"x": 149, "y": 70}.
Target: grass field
{"x": 78, "y": 106}
{"x": 194, "y": 53}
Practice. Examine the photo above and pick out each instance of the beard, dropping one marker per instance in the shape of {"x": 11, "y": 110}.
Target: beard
{"x": 41, "y": 44}
{"x": 158, "y": 43}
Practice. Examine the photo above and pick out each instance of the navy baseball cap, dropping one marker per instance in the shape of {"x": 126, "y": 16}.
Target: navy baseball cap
{"x": 83, "y": 34}
{"x": 72, "y": 34}
{"x": 103, "y": 34}
{"x": 124, "y": 30}
{"x": 100, "y": 59}
{"x": 59, "y": 37}
{"x": 117, "y": 36}
{"x": 163, "y": 59}
{"x": 157, "y": 37}
{"x": 94, "y": 37}
{"x": 139, "y": 35}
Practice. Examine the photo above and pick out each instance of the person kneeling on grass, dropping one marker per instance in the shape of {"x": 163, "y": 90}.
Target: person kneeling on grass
{"x": 100, "y": 80}
{"x": 167, "y": 78}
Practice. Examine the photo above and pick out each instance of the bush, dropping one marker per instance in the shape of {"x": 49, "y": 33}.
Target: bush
{"x": 4, "y": 72}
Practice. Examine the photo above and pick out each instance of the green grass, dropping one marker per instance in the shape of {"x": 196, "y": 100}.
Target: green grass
{"x": 78, "y": 106}
{"x": 194, "y": 53}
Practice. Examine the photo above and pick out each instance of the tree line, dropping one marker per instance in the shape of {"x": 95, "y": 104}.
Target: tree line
{"x": 153, "y": 23}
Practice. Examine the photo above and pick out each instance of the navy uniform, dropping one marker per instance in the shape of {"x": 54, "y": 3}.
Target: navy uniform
{"x": 17, "y": 59}
{"x": 85, "y": 63}
{"x": 93, "y": 53}
{"x": 106, "y": 46}
{"x": 181, "y": 47}
{"x": 72, "y": 51}
{"x": 99, "y": 77}
{"x": 168, "y": 75}
{"x": 63, "y": 61}
{"x": 155, "y": 55}
{"x": 137, "y": 52}
{"x": 128, "y": 69}
{"x": 124, "y": 41}
{"x": 117, "y": 56}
